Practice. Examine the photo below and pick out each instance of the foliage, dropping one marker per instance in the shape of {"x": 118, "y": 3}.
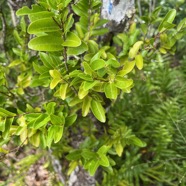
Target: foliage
{"x": 68, "y": 82}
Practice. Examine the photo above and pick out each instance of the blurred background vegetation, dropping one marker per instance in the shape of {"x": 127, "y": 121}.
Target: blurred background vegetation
{"x": 155, "y": 111}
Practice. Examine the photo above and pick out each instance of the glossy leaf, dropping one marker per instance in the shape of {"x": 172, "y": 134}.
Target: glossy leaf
{"x": 40, "y": 121}
{"x": 82, "y": 93}
{"x": 72, "y": 40}
{"x": 139, "y": 61}
{"x": 57, "y": 120}
{"x": 93, "y": 167}
{"x": 8, "y": 123}
{"x": 134, "y": 50}
{"x": 87, "y": 68}
{"x": 168, "y": 18}
{"x": 98, "y": 110}
{"x": 50, "y": 107}
{"x": 77, "y": 50}
{"x": 114, "y": 63}
{"x": 104, "y": 161}
{"x": 58, "y": 133}
{"x": 6, "y": 113}
{"x": 54, "y": 83}
{"x": 26, "y": 11}
{"x": 118, "y": 148}
{"x": 111, "y": 91}
{"x": 97, "y": 64}
{"x": 86, "y": 105}
{"x": 40, "y": 15}
{"x": 46, "y": 43}
{"x": 69, "y": 120}
{"x": 63, "y": 91}
{"x": 128, "y": 67}
{"x": 123, "y": 83}
{"x": 43, "y": 25}
{"x": 89, "y": 84}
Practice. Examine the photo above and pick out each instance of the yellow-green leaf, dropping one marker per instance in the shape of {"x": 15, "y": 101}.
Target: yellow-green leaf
{"x": 134, "y": 50}
{"x": 139, "y": 61}
{"x": 72, "y": 40}
{"x": 110, "y": 90}
{"x": 98, "y": 110}
{"x": 128, "y": 67}
{"x": 86, "y": 105}
{"x": 63, "y": 90}
{"x": 168, "y": 18}
{"x": 54, "y": 83}
{"x": 118, "y": 148}
{"x": 82, "y": 92}
{"x": 55, "y": 74}
{"x": 5, "y": 113}
{"x": 46, "y": 43}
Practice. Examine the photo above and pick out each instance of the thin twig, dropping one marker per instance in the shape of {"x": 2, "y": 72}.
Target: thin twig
{"x": 14, "y": 22}
{"x": 139, "y": 8}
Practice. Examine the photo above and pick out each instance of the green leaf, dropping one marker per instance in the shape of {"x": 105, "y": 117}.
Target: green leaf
{"x": 46, "y": 60}
{"x": 98, "y": 110}
{"x": 69, "y": 120}
{"x": 79, "y": 30}
{"x": 87, "y": 154}
{"x": 50, "y": 108}
{"x": 2, "y": 125}
{"x": 181, "y": 25}
{"x": 89, "y": 84}
{"x": 87, "y": 68}
{"x": 123, "y": 83}
{"x": 40, "y": 15}
{"x": 99, "y": 32}
{"x": 54, "y": 83}
{"x": 136, "y": 141}
{"x": 43, "y": 25}
{"x": 46, "y": 43}
{"x": 57, "y": 120}
{"x": 168, "y": 18}
{"x": 51, "y": 134}
{"x": 104, "y": 161}
{"x": 97, "y": 64}
{"x": 68, "y": 23}
{"x": 74, "y": 155}
{"x": 8, "y": 123}
{"x": 85, "y": 77}
{"x": 74, "y": 101}
{"x": 114, "y": 63}
{"x": 72, "y": 40}
{"x": 118, "y": 148}
{"x": 58, "y": 133}
{"x": 82, "y": 93}
{"x": 93, "y": 46}
{"x": 55, "y": 74}
{"x": 93, "y": 167}
{"x": 134, "y": 50}
{"x": 103, "y": 150}
{"x": 26, "y": 11}
{"x": 40, "y": 121}
{"x": 139, "y": 61}
{"x": 111, "y": 91}
{"x": 6, "y": 113}
{"x": 78, "y": 50}
{"x": 35, "y": 139}
{"x": 86, "y": 105}
{"x": 63, "y": 90}
{"x": 128, "y": 67}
